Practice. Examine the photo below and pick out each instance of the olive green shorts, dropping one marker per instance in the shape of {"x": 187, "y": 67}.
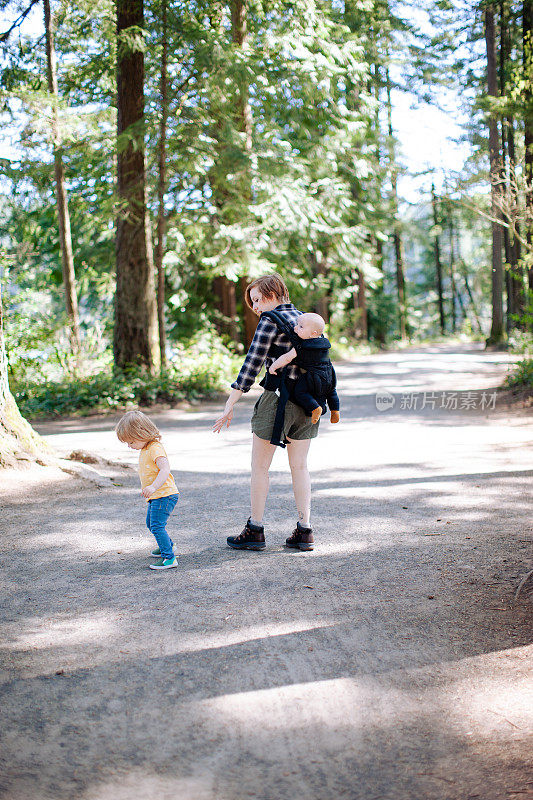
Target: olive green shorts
{"x": 296, "y": 425}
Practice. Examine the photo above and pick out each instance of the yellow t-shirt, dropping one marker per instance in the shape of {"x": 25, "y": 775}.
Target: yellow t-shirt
{"x": 148, "y": 470}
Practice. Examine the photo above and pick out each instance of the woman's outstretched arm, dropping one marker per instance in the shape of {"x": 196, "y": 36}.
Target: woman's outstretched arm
{"x": 227, "y": 414}
{"x": 264, "y": 335}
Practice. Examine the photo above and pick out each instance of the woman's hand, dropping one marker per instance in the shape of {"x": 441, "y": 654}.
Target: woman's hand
{"x": 227, "y": 414}
{"x": 225, "y": 418}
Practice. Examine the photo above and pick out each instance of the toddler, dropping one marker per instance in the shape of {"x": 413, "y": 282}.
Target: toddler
{"x": 157, "y": 484}
{"x": 317, "y": 385}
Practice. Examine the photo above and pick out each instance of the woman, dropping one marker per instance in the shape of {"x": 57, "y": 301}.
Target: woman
{"x": 267, "y": 294}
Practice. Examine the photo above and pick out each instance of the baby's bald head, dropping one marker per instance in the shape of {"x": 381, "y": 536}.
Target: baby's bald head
{"x": 309, "y": 326}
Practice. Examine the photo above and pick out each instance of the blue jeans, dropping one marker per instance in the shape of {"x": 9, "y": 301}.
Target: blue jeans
{"x": 159, "y": 510}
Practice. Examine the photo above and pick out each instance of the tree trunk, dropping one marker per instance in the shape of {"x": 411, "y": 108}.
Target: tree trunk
{"x": 239, "y": 35}
{"x": 226, "y": 301}
{"x": 517, "y": 278}
{"x": 19, "y": 443}
{"x": 135, "y": 335}
{"x": 379, "y": 333}
{"x": 65, "y": 238}
{"x": 161, "y": 188}
{"x": 527, "y": 43}
{"x": 506, "y": 176}
{"x": 360, "y": 305}
{"x": 398, "y": 247}
{"x": 452, "y": 270}
{"x": 497, "y": 331}
{"x": 464, "y": 274}
{"x": 225, "y": 194}
{"x": 438, "y": 265}
{"x": 250, "y": 319}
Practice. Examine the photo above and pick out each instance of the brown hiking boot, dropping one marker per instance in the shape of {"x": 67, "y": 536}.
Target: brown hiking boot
{"x": 251, "y": 538}
{"x": 301, "y": 538}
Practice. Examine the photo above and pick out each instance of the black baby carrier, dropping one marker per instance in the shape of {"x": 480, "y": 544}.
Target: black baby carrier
{"x": 320, "y": 378}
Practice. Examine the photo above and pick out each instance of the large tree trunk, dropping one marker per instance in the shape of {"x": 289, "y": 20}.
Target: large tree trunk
{"x": 222, "y": 192}
{"x": 497, "y": 331}
{"x": 438, "y": 264}
{"x": 161, "y": 187}
{"x": 509, "y": 188}
{"x": 65, "y": 238}
{"x": 135, "y": 336}
{"x": 397, "y": 236}
{"x": 239, "y": 35}
{"x": 19, "y": 443}
{"x": 527, "y": 41}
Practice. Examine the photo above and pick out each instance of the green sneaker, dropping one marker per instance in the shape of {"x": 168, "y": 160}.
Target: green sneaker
{"x": 156, "y": 553}
{"x": 164, "y": 563}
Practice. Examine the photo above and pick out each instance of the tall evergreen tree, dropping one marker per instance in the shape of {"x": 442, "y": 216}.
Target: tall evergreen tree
{"x": 497, "y": 330}
{"x": 65, "y": 236}
{"x": 161, "y": 184}
{"x": 135, "y": 333}
{"x": 527, "y": 51}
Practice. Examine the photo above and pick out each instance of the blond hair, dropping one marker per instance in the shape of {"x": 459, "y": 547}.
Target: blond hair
{"x": 136, "y": 425}
{"x": 270, "y": 286}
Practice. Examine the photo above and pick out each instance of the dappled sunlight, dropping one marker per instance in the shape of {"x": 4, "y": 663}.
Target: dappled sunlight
{"x": 409, "y": 371}
{"x": 147, "y": 783}
{"x": 495, "y": 710}
{"x": 38, "y": 634}
{"x": 469, "y": 700}
{"x": 345, "y": 548}
{"x": 328, "y": 703}
{"x": 387, "y": 661}
{"x": 93, "y": 543}
{"x": 267, "y": 630}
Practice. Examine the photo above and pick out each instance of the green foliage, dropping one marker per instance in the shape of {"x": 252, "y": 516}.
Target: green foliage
{"x": 521, "y": 342}
{"x": 522, "y": 375}
{"x": 200, "y": 371}
{"x": 311, "y": 198}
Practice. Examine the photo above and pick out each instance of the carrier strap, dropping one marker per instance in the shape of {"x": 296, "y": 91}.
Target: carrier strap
{"x": 279, "y": 419}
{"x": 284, "y": 326}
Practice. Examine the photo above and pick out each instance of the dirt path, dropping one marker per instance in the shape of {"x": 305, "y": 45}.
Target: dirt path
{"x": 386, "y": 665}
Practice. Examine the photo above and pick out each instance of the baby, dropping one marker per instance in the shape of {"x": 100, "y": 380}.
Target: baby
{"x": 316, "y": 386}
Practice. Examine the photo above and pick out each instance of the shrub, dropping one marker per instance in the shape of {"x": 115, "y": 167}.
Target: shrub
{"x": 200, "y": 371}
{"x": 522, "y": 375}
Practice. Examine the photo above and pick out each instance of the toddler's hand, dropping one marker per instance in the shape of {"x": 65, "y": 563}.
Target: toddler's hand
{"x": 273, "y": 370}
{"x": 148, "y": 491}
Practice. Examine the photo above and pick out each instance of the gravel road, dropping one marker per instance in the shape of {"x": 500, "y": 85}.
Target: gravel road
{"x": 388, "y": 664}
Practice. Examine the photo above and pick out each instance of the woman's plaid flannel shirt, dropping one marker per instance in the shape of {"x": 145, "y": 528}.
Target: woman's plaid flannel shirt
{"x": 267, "y": 334}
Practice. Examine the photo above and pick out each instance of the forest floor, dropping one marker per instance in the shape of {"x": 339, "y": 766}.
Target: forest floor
{"x": 388, "y": 664}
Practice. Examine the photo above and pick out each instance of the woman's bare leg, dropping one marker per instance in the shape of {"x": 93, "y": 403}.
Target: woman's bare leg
{"x": 262, "y": 455}
{"x": 297, "y": 451}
